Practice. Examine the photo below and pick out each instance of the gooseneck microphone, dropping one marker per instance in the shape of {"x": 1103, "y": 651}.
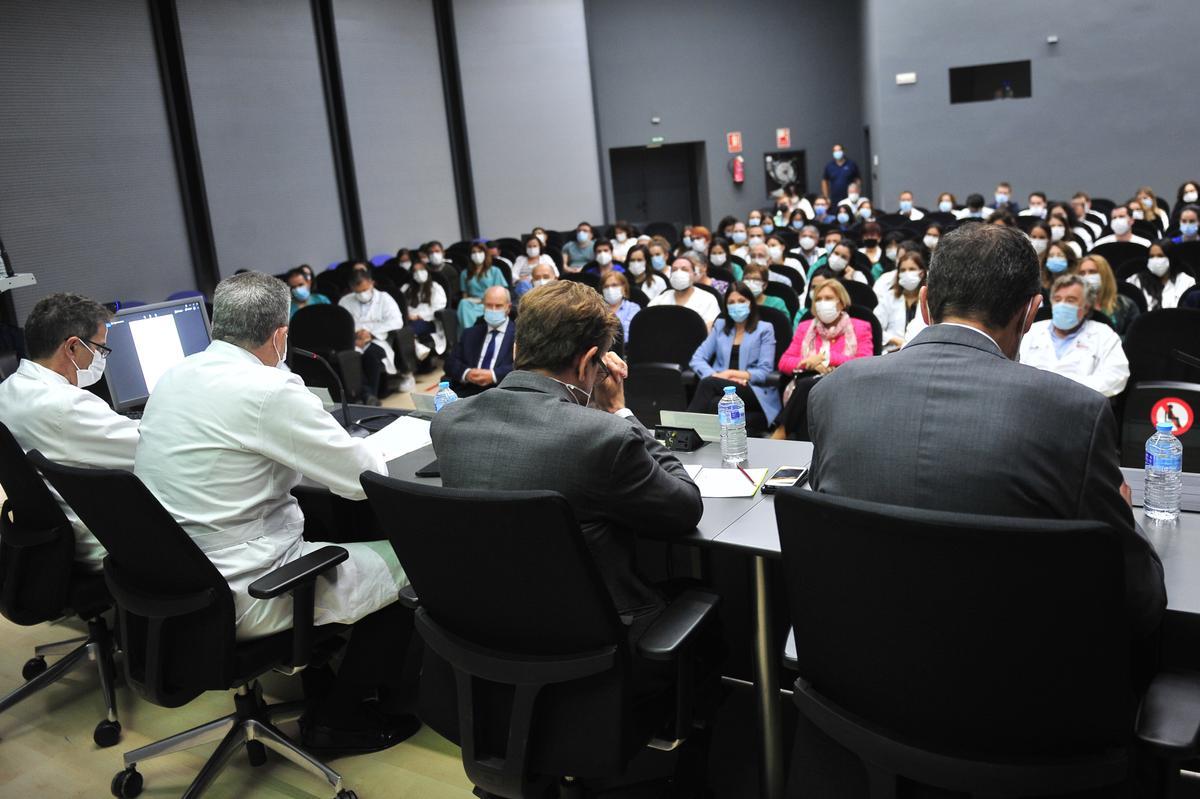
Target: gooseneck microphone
{"x": 355, "y": 430}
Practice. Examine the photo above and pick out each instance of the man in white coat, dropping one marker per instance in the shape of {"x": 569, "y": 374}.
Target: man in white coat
{"x": 45, "y": 407}
{"x": 226, "y": 436}
{"x": 1074, "y": 346}
{"x": 376, "y": 316}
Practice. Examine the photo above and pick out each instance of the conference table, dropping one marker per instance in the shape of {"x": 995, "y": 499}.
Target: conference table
{"x": 747, "y": 525}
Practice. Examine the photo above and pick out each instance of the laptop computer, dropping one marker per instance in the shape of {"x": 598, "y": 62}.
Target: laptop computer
{"x": 706, "y": 424}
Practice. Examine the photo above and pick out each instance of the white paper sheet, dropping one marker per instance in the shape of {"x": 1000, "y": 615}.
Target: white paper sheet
{"x": 715, "y": 483}
{"x": 156, "y": 340}
{"x": 400, "y": 437}
{"x": 692, "y": 470}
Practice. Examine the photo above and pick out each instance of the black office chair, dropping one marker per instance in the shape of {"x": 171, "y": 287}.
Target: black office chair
{"x": 1118, "y": 252}
{"x": 651, "y": 388}
{"x": 868, "y": 316}
{"x": 327, "y": 330}
{"x": 177, "y": 625}
{"x": 330, "y": 284}
{"x": 527, "y": 665}
{"x": 638, "y": 297}
{"x": 1152, "y": 339}
{"x": 665, "y": 229}
{"x": 720, "y": 273}
{"x": 1134, "y": 293}
{"x": 861, "y": 293}
{"x": 795, "y": 277}
{"x": 982, "y": 654}
{"x": 1148, "y": 402}
{"x": 40, "y": 582}
{"x": 586, "y": 278}
{"x": 665, "y": 334}
{"x": 789, "y": 295}
{"x": 784, "y": 329}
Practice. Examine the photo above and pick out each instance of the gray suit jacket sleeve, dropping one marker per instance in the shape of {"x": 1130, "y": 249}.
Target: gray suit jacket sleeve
{"x": 648, "y": 482}
{"x": 1100, "y": 499}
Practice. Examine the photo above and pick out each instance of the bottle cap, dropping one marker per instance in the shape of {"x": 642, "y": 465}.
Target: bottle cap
{"x": 1165, "y": 427}
{"x": 730, "y": 389}
{"x": 444, "y": 384}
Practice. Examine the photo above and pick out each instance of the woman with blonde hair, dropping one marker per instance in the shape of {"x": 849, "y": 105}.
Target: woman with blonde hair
{"x": 1151, "y": 212}
{"x": 1118, "y": 310}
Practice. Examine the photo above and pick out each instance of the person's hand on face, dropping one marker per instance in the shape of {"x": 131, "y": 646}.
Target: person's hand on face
{"x": 608, "y": 392}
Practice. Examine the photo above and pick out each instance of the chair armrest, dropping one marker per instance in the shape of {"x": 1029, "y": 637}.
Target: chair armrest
{"x": 298, "y": 572}
{"x": 408, "y": 597}
{"x": 774, "y": 380}
{"x": 677, "y": 624}
{"x": 1169, "y": 719}
{"x": 689, "y": 378}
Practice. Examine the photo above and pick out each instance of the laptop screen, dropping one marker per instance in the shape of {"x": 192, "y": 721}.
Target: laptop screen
{"x": 146, "y": 341}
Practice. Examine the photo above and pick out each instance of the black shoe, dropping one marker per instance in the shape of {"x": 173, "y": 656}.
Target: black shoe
{"x": 375, "y": 732}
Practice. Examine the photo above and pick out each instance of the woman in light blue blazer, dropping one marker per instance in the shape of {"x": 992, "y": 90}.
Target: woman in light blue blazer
{"x": 742, "y": 339}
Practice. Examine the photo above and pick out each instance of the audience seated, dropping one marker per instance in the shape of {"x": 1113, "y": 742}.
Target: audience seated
{"x": 377, "y": 316}
{"x": 534, "y": 254}
{"x": 45, "y": 407}
{"x": 899, "y": 306}
{"x": 603, "y": 260}
{"x": 1073, "y": 345}
{"x": 1121, "y": 225}
{"x": 1118, "y": 310}
{"x": 225, "y": 438}
{"x": 682, "y": 292}
{"x": 1189, "y": 224}
{"x": 1038, "y": 205}
{"x": 739, "y": 352}
{"x": 975, "y": 209}
{"x": 819, "y": 346}
{"x": 905, "y": 207}
{"x": 872, "y": 247}
{"x": 622, "y": 240}
{"x": 640, "y": 274}
{"x": 718, "y": 256}
{"x": 541, "y": 275}
{"x": 1057, "y": 259}
{"x": 1163, "y": 281}
{"x": 841, "y": 261}
{"x": 480, "y": 275}
{"x": 807, "y": 248}
{"x": 755, "y": 278}
{"x": 947, "y": 203}
{"x": 1148, "y": 209}
{"x": 425, "y": 297}
{"x": 485, "y": 354}
{"x": 1004, "y": 199}
{"x": 300, "y": 282}
{"x": 615, "y": 288}
{"x": 576, "y": 254}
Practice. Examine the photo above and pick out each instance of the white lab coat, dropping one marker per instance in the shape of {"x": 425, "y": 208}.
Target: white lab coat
{"x": 380, "y": 316}
{"x": 70, "y": 426}
{"x": 224, "y": 441}
{"x": 892, "y": 314}
{"x": 427, "y": 311}
{"x": 1172, "y": 292}
{"x": 1095, "y": 358}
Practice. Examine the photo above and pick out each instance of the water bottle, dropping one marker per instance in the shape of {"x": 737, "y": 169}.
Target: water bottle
{"x": 731, "y": 412}
{"x": 1164, "y": 465}
{"x": 445, "y": 395}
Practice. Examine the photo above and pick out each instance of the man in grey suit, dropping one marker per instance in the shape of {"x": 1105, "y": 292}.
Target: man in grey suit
{"x": 559, "y": 422}
{"x": 952, "y": 422}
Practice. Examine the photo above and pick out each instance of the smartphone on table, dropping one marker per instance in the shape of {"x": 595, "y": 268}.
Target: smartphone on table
{"x": 785, "y": 477}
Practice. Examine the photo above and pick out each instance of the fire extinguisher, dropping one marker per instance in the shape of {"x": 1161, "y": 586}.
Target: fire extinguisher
{"x": 737, "y": 165}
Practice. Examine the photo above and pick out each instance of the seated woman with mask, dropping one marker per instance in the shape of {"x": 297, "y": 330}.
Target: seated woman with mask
{"x": 899, "y": 307}
{"x": 756, "y": 277}
{"x": 1163, "y": 281}
{"x": 649, "y": 281}
{"x": 819, "y": 346}
{"x": 1119, "y": 311}
{"x": 739, "y": 352}
{"x": 423, "y": 299}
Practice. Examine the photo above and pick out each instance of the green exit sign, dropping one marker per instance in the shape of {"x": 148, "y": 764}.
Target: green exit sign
{"x": 656, "y": 141}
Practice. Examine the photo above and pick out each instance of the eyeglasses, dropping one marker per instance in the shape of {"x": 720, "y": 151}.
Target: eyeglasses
{"x": 605, "y": 374}
{"x": 105, "y": 350}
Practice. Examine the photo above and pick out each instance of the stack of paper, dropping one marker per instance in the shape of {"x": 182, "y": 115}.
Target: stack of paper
{"x": 400, "y": 437}
{"x": 715, "y": 483}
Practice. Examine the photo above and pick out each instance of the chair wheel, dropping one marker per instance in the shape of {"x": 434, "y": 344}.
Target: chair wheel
{"x": 107, "y": 733}
{"x": 127, "y": 784}
{"x": 33, "y": 667}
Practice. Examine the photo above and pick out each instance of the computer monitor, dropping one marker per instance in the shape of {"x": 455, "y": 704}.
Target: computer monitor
{"x": 146, "y": 341}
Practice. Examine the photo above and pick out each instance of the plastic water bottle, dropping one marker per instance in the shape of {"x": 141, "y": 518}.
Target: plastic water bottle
{"x": 445, "y": 395}
{"x": 731, "y": 412}
{"x": 1164, "y": 464}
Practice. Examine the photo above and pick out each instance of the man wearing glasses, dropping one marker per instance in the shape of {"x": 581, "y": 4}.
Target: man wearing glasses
{"x": 45, "y": 407}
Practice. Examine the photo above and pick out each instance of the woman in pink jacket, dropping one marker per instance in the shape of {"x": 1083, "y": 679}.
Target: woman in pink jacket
{"x": 820, "y": 345}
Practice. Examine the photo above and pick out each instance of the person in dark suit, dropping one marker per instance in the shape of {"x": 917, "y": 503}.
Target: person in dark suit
{"x": 485, "y": 354}
{"x": 953, "y": 422}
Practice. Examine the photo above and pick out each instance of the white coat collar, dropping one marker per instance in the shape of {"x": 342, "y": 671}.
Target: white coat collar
{"x": 40, "y": 373}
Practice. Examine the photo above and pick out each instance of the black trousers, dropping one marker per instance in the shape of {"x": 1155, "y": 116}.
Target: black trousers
{"x": 709, "y": 393}
{"x": 794, "y": 418}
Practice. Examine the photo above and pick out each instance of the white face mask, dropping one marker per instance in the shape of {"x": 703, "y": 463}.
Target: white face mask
{"x": 717, "y": 260}
{"x": 755, "y": 286}
{"x": 776, "y": 252}
{"x": 807, "y": 243}
{"x": 754, "y": 240}
{"x": 613, "y": 294}
{"x": 761, "y": 260}
{"x": 826, "y": 310}
{"x": 1158, "y": 266}
{"x": 891, "y": 253}
{"x": 365, "y": 296}
{"x": 1190, "y": 197}
{"x": 681, "y": 280}
{"x": 909, "y": 281}
{"x": 543, "y": 281}
{"x": 636, "y": 268}
{"x": 420, "y": 276}
{"x": 532, "y": 253}
{"x": 1120, "y": 225}
{"x": 853, "y": 196}
{"x": 700, "y": 245}
{"x": 1039, "y": 245}
{"x": 837, "y": 263}
{"x": 621, "y": 238}
{"x": 1057, "y": 232}
{"x": 604, "y": 258}
{"x": 436, "y": 258}
{"x": 1138, "y": 215}
{"x": 1038, "y": 210}
{"x": 91, "y": 375}
{"x": 541, "y": 237}
{"x": 930, "y": 241}
{"x": 1092, "y": 279}
{"x": 477, "y": 258}
{"x": 280, "y": 355}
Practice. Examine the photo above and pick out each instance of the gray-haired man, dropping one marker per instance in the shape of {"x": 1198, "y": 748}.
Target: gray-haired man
{"x": 225, "y": 438}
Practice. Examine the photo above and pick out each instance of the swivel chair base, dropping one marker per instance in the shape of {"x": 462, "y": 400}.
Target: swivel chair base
{"x": 95, "y": 647}
{"x": 250, "y": 725}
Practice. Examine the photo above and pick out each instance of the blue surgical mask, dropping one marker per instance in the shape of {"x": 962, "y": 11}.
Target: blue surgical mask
{"x": 838, "y": 155}
{"x": 659, "y": 262}
{"x": 301, "y": 293}
{"x": 768, "y": 228}
{"x": 843, "y": 218}
{"x": 738, "y": 311}
{"x": 583, "y": 237}
{"x": 687, "y": 242}
{"x": 905, "y": 206}
{"x": 1001, "y": 198}
{"x": 820, "y": 210}
{"x": 797, "y": 224}
{"x": 945, "y": 206}
{"x": 494, "y": 316}
{"x": 739, "y": 237}
{"x": 1056, "y": 264}
{"x": 1064, "y": 315}
{"x": 1188, "y": 228}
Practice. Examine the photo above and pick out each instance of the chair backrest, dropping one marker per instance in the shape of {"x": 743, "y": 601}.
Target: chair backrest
{"x": 1118, "y": 252}
{"x": 665, "y": 334}
{"x": 1134, "y": 293}
{"x": 861, "y": 294}
{"x": 786, "y": 293}
{"x": 654, "y": 387}
{"x": 330, "y": 284}
{"x": 795, "y": 277}
{"x": 665, "y": 229}
{"x": 1152, "y": 339}
{"x": 175, "y": 610}
{"x": 720, "y": 273}
{"x": 638, "y": 297}
{"x": 507, "y": 622}
{"x": 37, "y": 543}
{"x": 322, "y": 328}
{"x": 984, "y": 636}
{"x": 9, "y": 362}
{"x": 586, "y": 278}
{"x": 1152, "y": 401}
{"x": 782, "y": 325}
{"x": 868, "y": 316}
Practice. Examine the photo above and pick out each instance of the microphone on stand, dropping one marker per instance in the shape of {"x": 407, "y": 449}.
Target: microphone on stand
{"x": 355, "y": 430}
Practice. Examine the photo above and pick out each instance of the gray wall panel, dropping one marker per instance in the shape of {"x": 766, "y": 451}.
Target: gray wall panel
{"x": 393, "y": 85}
{"x": 530, "y": 122}
{"x": 89, "y": 195}
{"x": 1108, "y": 111}
{"x": 264, "y": 135}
